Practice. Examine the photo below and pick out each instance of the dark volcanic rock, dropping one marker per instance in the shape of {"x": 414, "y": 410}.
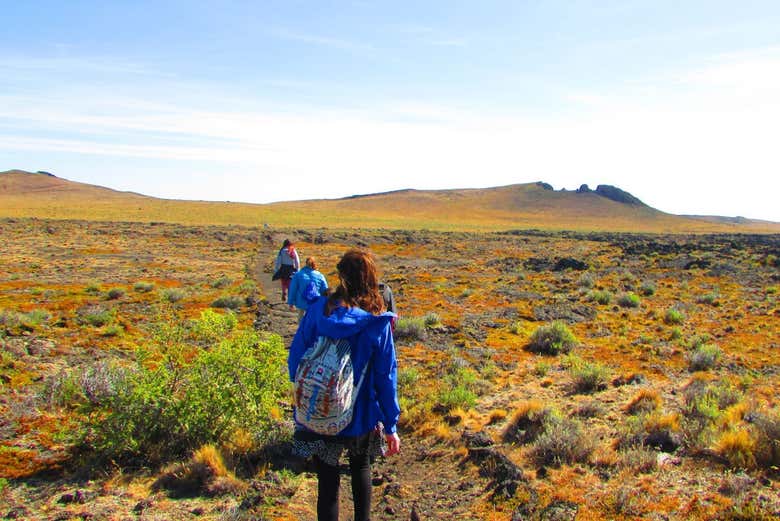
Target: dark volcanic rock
{"x": 564, "y": 311}
{"x": 567, "y": 263}
{"x": 618, "y": 195}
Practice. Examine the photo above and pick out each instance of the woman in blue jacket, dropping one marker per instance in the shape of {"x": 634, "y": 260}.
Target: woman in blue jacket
{"x": 355, "y": 312}
{"x": 306, "y": 285}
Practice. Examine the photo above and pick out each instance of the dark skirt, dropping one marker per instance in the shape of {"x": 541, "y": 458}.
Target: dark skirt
{"x": 286, "y": 271}
{"x": 329, "y": 449}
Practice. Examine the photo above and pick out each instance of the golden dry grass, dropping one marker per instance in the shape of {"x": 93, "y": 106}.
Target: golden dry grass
{"x": 522, "y": 206}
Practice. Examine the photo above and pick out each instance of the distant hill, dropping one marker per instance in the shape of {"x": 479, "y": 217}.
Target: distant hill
{"x": 519, "y": 206}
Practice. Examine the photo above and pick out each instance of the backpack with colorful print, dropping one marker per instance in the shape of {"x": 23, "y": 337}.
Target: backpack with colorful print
{"x": 324, "y": 389}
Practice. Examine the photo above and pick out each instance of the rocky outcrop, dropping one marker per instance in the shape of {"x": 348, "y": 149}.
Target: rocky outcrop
{"x": 618, "y": 195}
{"x": 612, "y": 193}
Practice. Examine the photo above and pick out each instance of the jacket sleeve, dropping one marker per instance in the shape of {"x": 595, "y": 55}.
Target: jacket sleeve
{"x": 278, "y": 262}
{"x": 293, "y": 290}
{"x": 323, "y": 285}
{"x": 296, "y": 260}
{"x": 385, "y": 379}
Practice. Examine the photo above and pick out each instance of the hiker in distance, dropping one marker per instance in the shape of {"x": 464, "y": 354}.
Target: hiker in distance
{"x": 351, "y": 332}
{"x": 307, "y": 284}
{"x": 285, "y": 265}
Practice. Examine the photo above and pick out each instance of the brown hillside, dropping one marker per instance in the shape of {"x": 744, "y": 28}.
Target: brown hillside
{"x": 520, "y": 206}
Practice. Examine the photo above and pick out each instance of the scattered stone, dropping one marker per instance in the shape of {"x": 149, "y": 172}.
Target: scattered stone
{"x": 142, "y": 505}
{"x": 476, "y": 439}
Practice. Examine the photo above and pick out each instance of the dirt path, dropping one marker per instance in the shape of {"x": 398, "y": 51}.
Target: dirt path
{"x": 423, "y": 482}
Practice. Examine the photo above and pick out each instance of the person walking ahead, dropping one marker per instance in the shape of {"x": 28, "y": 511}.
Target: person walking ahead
{"x": 353, "y": 312}
{"x": 285, "y": 265}
{"x": 307, "y": 284}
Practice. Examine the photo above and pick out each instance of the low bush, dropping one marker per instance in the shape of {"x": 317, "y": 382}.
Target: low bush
{"x": 99, "y": 317}
{"x": 588, "y": 377}
{"x": 528, "y": 422}
{"x": 647, "y": 289}
{"x": 166, "y": 403}
{"x": 553, "y": 339}
{"x": 115, "y": 293}
{"x": 643, "y": 402}
{"x": 766, "y": 425}
{"x": 640, "y": 459}
{"x": 629, "y": 300}
{"x": 222, "y": 282}
{"x": 654, "y": 430}
{"x": 563, "y": 441}
{"x": 410, "y": 328}
{"x": 228, "y": 302}
{"x": 173, "y": 295}
{"x": 143, "y": 287}
{"x": 586, "y": 280}
{"x": 674, "y": 317}
{"x": 432, "y": 320}
{"x": 602, "y": 297}
{"x": 704, "y": 358}
{"x": 738, "y": 448}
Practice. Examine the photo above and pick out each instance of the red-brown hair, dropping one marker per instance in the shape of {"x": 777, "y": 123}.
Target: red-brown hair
{"x": 358, "y": 283}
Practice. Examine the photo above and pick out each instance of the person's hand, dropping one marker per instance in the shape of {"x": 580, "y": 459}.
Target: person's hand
{"x": 292, "y": 308}
{"x": 393, "y": 444}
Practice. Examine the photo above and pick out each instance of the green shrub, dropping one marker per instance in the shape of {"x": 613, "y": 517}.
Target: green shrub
{"x": 212, "y": 326}
{"x": 766, "y": 426}
{"x": 704, "y": 358}
{"x": 100, "y": 318}
{"x": 602, "y": 297}
{"x": 432, "y": 320}
{"x": 647, "y": 289}
{"x": 553, "y": 339}
{"x": 115, "y": 293}
{"x": 588, "y": 377}
{"x": 629, "y": 300}
{"x": 674, "y": 317}
{"x": 458, "y": 396}
{"x": 143, "y": 287}
{"x": 112, "y": 330}
{"x": 709, "y": 299}
{"x": 93, "y": 288}
{"x": 541, "y": 368}
{"x": 173, "y": 295}
{"x": 586, "y": 281}
{"x": 222, "y": 282}
{"x": 162, "y": 408}
{"x": 33, "y": 318}
{"x": 410, "y": 328}
{"x": 563, "y": 441}
{"x": 228, "y": 301}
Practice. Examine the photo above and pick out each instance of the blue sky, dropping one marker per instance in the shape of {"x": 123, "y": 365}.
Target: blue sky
{"x": 676, "y": 102}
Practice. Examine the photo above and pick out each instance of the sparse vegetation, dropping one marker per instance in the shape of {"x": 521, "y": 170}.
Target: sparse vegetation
{"x": 464, "y": 376}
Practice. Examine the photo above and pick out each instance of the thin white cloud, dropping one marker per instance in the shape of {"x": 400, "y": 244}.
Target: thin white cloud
{"x": 320, "y": 40}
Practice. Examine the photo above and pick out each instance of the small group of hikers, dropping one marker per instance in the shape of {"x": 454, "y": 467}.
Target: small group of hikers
{"x": 343, "y": 367}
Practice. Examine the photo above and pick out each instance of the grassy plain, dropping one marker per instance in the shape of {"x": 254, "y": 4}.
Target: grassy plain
{"x": 662, "y": 404}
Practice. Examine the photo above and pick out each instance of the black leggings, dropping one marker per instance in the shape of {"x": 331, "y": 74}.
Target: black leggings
{"x": 328, "y": 481}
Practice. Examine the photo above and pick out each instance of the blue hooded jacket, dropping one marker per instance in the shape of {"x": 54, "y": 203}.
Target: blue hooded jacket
{"x": 301, "y": 285}
{"x": 372, "y": 342}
